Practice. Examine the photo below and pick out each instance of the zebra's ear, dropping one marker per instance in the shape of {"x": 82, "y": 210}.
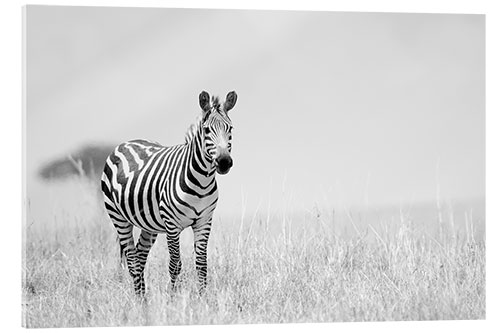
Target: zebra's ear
{"x": 204, "y": 101}
{"x": 230, "y": 101}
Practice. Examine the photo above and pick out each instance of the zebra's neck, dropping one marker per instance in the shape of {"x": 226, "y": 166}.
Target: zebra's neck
{"x": 199, "y": 161}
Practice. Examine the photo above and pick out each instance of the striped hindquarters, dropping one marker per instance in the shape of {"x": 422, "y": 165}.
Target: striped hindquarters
{"x": 131, "y": 183}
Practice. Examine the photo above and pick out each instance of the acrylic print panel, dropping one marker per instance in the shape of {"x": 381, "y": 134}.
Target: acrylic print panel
{"x": 349, "y": 164}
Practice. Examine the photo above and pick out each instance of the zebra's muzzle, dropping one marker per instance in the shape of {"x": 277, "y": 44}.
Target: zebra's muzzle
{"x": 223, "y": 164}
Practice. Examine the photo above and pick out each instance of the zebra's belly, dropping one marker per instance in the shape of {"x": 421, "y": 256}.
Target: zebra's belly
{"x": 141, "y": 212}
{"x": 146, "y": 214}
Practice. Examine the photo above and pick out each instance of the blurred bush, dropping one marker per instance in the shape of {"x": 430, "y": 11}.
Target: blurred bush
{"x": 88, "y": 162}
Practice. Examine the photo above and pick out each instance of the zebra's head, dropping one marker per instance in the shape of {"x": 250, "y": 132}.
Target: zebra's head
{"x": 217, "y": 129}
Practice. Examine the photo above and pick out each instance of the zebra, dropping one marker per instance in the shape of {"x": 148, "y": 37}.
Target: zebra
{"x": 165, "y": 189}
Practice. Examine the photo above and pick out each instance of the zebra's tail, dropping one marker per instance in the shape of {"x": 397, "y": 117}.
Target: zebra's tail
{"x": 123, "y": 259}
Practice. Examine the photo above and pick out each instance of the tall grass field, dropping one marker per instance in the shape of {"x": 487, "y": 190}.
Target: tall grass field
{"x": 322, "y": 265}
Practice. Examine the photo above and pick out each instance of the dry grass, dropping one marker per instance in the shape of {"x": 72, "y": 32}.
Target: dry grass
{"x": 299, "y": 272}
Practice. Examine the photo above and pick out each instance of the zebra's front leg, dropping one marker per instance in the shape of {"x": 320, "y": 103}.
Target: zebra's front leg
{"x": 144, "y": 244}
{"x": 175, "y": 264}
{"x": 201, "y": 234}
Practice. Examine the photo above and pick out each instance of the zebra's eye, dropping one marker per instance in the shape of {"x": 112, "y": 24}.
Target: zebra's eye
{"x": 206, "y": 129}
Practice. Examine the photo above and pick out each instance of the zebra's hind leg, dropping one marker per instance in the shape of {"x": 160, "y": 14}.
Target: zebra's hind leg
{"x": 144, "y": 244}
{"x": 175, "y": 264}
{"x": 128, "y": 250}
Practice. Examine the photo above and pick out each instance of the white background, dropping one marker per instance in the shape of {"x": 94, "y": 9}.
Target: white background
{"x": 334, "y": 108}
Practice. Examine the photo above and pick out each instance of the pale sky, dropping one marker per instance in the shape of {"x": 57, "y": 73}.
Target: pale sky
{"x": 333, "y": 108}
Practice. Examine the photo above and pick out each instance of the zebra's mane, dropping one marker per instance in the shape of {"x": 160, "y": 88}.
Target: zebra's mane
{"x": 215, "y": 103}
{"x": 193, "y": 128}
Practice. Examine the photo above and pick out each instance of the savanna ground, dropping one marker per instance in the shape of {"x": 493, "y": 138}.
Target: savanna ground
{"x": 266, "y": 268}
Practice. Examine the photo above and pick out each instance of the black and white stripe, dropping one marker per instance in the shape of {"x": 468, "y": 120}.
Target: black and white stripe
{"x": 162, "y": 189}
